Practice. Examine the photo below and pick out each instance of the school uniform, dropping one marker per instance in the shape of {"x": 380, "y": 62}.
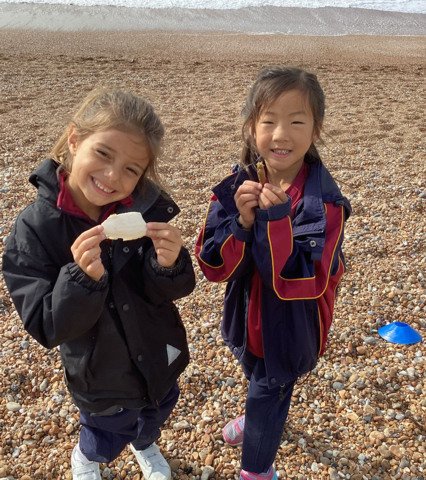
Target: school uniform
{"x": 282, "y": 277}
{"x": 122, "y": 342}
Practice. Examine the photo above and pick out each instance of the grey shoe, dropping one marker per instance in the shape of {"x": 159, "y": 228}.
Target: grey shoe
{"x": 153, "y": 465}
{"x": 83, "y": 471}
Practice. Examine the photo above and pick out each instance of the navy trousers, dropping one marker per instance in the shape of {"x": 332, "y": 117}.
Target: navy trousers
{"x": 103, "y": 437}
{"x": 265, "y": 415}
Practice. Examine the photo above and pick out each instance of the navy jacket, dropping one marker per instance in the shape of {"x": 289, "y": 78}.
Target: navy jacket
{"x": 121, "y": 339}
{"x": 300, "y": 262}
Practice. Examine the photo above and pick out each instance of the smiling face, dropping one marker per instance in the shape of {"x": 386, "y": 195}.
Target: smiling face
{"x": 283, "y": 134}
{"x": 106, "y": 167}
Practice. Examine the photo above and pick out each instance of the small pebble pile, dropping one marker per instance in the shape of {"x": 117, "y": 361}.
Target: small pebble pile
{"x": 360, "y": 415}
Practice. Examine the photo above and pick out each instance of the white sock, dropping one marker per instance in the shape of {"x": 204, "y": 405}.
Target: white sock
{"x": 79, "y": 456}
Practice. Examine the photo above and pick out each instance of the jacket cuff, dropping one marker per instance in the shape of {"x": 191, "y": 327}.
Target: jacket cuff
{"x": 276, "y": 212}
{"x": 77, "y": 274}
{"x": 239, "y": 232}
{"x": 173, "y": 271}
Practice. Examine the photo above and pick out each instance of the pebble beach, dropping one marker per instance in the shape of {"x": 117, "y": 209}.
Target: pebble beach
{"x": 361, "y": 414}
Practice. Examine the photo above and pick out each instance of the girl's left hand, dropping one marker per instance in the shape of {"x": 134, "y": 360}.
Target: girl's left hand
{"x": 167, "y": 242}
{"x": 272, "y": 195}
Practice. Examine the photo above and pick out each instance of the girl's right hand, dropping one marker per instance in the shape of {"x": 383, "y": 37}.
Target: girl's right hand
{"x": 86, "y": 251}
{"x": 246, "y": 200}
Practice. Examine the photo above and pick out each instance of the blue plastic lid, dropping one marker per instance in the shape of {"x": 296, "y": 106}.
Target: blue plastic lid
{"x": 399, "y": 332}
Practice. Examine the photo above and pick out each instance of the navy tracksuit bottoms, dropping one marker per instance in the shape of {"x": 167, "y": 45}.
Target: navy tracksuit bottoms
{"x": 103, "y": 437}
{"x": 265, "y": 415}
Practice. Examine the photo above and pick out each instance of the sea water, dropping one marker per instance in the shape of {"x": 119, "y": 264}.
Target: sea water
{"x": 288, "y": 17}
{"x": 407, "y": 6}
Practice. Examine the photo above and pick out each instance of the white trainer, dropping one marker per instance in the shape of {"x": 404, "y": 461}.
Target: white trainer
{"x": 83, "y": 470}
{"x": 153, "y": 465}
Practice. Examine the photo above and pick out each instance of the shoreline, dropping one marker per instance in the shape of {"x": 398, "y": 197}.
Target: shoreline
{"x": 256, "y": 20}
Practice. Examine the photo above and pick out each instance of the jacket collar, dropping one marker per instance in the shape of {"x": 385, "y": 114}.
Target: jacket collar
{"x": 310, "y": 214}
{"x": 45, "y": 179}
{"x": 227, "y": 188}
{"x": 320, "y": 188}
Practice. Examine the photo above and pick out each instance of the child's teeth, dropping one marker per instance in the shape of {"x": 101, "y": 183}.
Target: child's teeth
{"x": 99, "y": 185}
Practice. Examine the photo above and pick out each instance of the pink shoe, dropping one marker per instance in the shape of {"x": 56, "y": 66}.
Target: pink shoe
{"x": 233, "y": 431}
{"x": 271, "y": 474}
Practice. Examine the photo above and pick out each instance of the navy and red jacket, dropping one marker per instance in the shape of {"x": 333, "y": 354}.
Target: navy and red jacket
{"x": 300, "y": 262}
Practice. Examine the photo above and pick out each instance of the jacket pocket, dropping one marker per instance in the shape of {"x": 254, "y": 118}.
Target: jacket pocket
{"x": 75, "y": 357}
{"x": 163, "y": 348}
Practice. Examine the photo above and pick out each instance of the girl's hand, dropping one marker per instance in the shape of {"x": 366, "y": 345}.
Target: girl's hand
{"x": 246, "y": 200}
{"x": 86, "y": 251}
{"x": 272, "y": 195}
{"x": 167, "y": 242}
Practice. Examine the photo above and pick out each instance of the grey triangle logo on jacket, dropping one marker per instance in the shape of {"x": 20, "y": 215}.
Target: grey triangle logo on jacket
{"x": 172, "y": 353}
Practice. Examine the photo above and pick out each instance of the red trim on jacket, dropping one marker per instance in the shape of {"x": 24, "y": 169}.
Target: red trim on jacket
{"x": 310, "y": 287}
{"x": 231, "y": 254}
{"x": 326, "y": 305}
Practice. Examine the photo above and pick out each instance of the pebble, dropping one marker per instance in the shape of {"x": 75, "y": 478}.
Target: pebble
{"x": 44, "y": 384}
{"x": 174, "y": 464}
{"x": 207, "y": 473}
{"x": 359, "y": 414}
{"x": 13, "y": 406}
{"x": 182, "y": 425}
